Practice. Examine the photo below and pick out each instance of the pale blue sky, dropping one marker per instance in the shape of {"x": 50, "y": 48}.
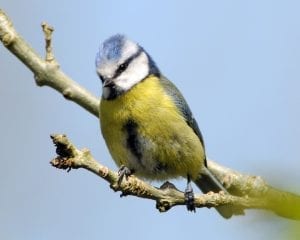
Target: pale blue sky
{"x": 236, "y": 62}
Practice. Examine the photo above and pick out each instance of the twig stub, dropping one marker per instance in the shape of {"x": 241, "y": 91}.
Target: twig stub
{"x": 48, "y": 30}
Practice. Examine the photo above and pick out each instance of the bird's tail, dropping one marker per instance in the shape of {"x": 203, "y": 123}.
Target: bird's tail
{"x": 207, "y": 182}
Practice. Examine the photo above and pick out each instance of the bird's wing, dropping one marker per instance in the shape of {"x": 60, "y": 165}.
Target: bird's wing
{"x": 182, "y": 105}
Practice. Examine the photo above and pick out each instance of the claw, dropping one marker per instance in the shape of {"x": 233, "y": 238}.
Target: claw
{"x": 123, "y": 172}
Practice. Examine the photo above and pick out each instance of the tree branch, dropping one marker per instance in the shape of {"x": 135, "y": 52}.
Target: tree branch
{"x": 248, "y": 191}
{"x": 166, "y": 197}
{"x": 284, "y": 204}
{"x": 46, "y": 72}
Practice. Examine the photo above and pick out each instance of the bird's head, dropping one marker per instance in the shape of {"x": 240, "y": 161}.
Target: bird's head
{"x": 121, "y": 64}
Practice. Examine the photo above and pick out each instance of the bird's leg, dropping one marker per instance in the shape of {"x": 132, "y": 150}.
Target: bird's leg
{"x": 123, "y": 172}
{"x": 189, "y": 196}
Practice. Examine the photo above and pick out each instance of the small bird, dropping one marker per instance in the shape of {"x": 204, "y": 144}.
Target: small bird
{"x": 147, "y": 124}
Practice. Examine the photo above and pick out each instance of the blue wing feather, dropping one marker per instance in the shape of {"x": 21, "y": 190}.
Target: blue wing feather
{"x": 182, "y": 105}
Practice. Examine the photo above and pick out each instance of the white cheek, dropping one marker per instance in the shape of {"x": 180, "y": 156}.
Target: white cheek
{"x": 123, "y": 83}
{"x": 136, "y": 72}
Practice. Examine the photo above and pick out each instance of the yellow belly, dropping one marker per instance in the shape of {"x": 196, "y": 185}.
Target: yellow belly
{"x": 169, "y": 147}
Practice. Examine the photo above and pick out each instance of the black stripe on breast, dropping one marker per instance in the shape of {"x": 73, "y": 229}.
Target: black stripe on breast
{"x": 132, "y": 141}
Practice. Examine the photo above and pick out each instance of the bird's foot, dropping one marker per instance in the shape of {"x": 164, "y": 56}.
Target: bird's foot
{"x": 189, "y": 197}
{"x": 123, "y": 172}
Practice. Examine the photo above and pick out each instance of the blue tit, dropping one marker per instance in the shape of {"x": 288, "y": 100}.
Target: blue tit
{"x": 147, "y": 124}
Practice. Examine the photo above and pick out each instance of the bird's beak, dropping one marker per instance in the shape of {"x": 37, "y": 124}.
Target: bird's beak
{"x": 108, "y": 82}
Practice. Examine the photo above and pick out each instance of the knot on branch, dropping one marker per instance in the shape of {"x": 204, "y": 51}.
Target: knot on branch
{"x": 171, "y": 196}
{"x": 163, "y": 205}
{"x": 67, "y": 93}
{"x": 7, "y": 33}
{"x": 62, "y": 163}
{"x": 7, "y": 39}
{"x": 63, "y": 145}
{"x": 65, "y": 152}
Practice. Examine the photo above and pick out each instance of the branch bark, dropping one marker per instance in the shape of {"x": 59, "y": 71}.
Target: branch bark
{"x": 247, "y": 191}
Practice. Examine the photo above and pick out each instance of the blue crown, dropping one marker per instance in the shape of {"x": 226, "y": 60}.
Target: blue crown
{"x": 111, "y": 49}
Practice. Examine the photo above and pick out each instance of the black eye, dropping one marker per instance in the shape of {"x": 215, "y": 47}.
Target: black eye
{"x": 122, "y": 67}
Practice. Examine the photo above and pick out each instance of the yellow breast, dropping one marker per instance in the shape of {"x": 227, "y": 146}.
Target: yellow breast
{"x": 169, "y": 147}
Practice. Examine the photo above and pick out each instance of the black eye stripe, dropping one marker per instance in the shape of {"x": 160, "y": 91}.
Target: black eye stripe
{"x": 122, "y": 67}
